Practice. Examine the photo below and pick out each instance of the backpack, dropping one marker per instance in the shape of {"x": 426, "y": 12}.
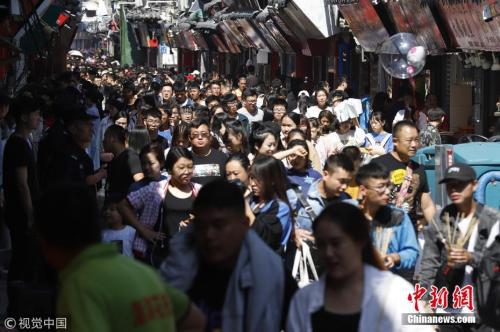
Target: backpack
{"x": 488, "y": 285}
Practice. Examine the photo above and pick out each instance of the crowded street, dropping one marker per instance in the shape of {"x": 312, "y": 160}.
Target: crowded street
{"x": 250, "y": 165}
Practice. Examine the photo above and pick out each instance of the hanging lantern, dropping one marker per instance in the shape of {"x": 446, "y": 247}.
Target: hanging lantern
{"x": 62, "y": 18}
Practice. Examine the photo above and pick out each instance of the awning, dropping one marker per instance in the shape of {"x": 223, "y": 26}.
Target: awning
{"x": 296, "y": 35}
{"x": 233, "y": 47}
{"x": 280, "y": 38}
{"x": 411, "y": 16}
{"x": 365, "y": 24}
{"x": 316, "y": 19}
{"x": 469, "y": 31}
{"x": 230, "y": 28}
{"x": 242, "y": 5}
{"x": 219, "y": 44}
{"x": 247, "y": 29}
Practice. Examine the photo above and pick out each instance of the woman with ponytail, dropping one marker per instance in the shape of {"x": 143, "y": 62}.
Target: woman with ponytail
{"x": 355, "y": 293}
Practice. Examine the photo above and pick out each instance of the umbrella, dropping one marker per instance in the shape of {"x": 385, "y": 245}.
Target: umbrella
{"x": 75, "y": 53}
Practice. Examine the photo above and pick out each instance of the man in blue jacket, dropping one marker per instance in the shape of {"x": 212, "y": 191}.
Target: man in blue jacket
{"x": 391, "y": 228}
{"x": 337, "y": 174}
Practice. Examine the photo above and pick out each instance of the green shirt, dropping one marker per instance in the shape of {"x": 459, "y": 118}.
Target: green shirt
{"x": 102, "y": 290}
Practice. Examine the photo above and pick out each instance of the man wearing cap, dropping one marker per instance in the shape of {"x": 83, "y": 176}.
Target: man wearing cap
{"x": 446, "y": 261}
{"x": 71, "y": 163}
{"x": 195, "y": 73}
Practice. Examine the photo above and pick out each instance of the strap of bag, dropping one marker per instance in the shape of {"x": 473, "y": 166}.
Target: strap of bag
{"x": 306, "y": 252}
{"x": 403, "y": 191}
{"x": 370, "y": 139}
{"x": 385, "y": 140}
{"x": 304, "y": 203}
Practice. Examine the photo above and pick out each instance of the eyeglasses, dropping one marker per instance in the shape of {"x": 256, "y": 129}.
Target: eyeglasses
{"x": 382, "y": 188}
{"x": 202, "y": 135}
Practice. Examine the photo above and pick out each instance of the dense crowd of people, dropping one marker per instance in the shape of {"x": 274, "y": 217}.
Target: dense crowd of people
{"x": 219, "y": 190}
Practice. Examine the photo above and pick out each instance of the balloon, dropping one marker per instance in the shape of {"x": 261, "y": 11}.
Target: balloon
{"x": 402, "y": 56}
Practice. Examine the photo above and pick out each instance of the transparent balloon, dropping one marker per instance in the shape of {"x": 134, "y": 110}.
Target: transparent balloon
{"x": 402, "y": 56}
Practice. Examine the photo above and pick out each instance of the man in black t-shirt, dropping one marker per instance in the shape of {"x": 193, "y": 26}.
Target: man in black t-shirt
{"x": 124, "y": 169}
{"x": 209, "y": 164}
{"x": 407, "y": 191}
{"x": 152, "y": 122}
{"x": 21, "y": 189}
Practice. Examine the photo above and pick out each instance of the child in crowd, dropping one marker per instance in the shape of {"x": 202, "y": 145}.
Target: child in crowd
{"x": 117, "y": 232}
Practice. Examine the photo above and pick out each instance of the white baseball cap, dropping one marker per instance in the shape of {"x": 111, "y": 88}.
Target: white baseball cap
{"x": 304, "y": 92}
{"x": 195, "y": 72}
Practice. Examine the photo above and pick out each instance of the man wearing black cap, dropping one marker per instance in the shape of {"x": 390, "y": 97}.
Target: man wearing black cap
{"x": 72, "y": 163}
{"x": 450, "y": 260}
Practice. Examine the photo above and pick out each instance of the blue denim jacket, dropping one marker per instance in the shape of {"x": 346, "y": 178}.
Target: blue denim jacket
{"x": 304, "y": 220}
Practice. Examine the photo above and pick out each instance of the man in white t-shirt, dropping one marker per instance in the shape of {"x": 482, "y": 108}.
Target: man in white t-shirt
{"x": 451, "y": 254}
{"x": 249, "y": 108}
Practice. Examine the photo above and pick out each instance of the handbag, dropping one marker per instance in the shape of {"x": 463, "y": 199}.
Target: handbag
{"x": 303, "y": 263}
{"x": 160, "y": 249}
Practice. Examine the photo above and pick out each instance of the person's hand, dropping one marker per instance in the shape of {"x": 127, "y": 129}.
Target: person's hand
{"x": 335, "y": 150}
{"x": 391, "y": 260}
{"x": 249, "y": 213}
{"x": 458, "y": 257}
{"x": 185, "y": 223}
{"x": 101, "y": 174}
{"x": 376, "y": 150}
{"x": 301, "y": 235}
{"x": 151, "y": 235}
{"x": 420, "y": 225}
{"x": 299, "y": 150}
{"x": 107, "y": 157}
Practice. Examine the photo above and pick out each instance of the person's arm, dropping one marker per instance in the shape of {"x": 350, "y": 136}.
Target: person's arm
{"x": 193, "y": 322}
{"x": 129, "y": 216}
{"x": 431, "y": 255}
{"x": 409, "y": 249}
{"x": 428, "y": 207}
{"x": 295, "y": 150}
{"x": 24, "y": 192}
{"x": 93, "y": 179}
{"x": 187, "y": 316}
{"x": 134, "y": 165}
{"x": 314, "y": 157}
{"x": 138, "y": 177}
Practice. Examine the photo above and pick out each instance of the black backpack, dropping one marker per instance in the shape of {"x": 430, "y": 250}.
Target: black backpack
{"x": 488, "y": 286}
